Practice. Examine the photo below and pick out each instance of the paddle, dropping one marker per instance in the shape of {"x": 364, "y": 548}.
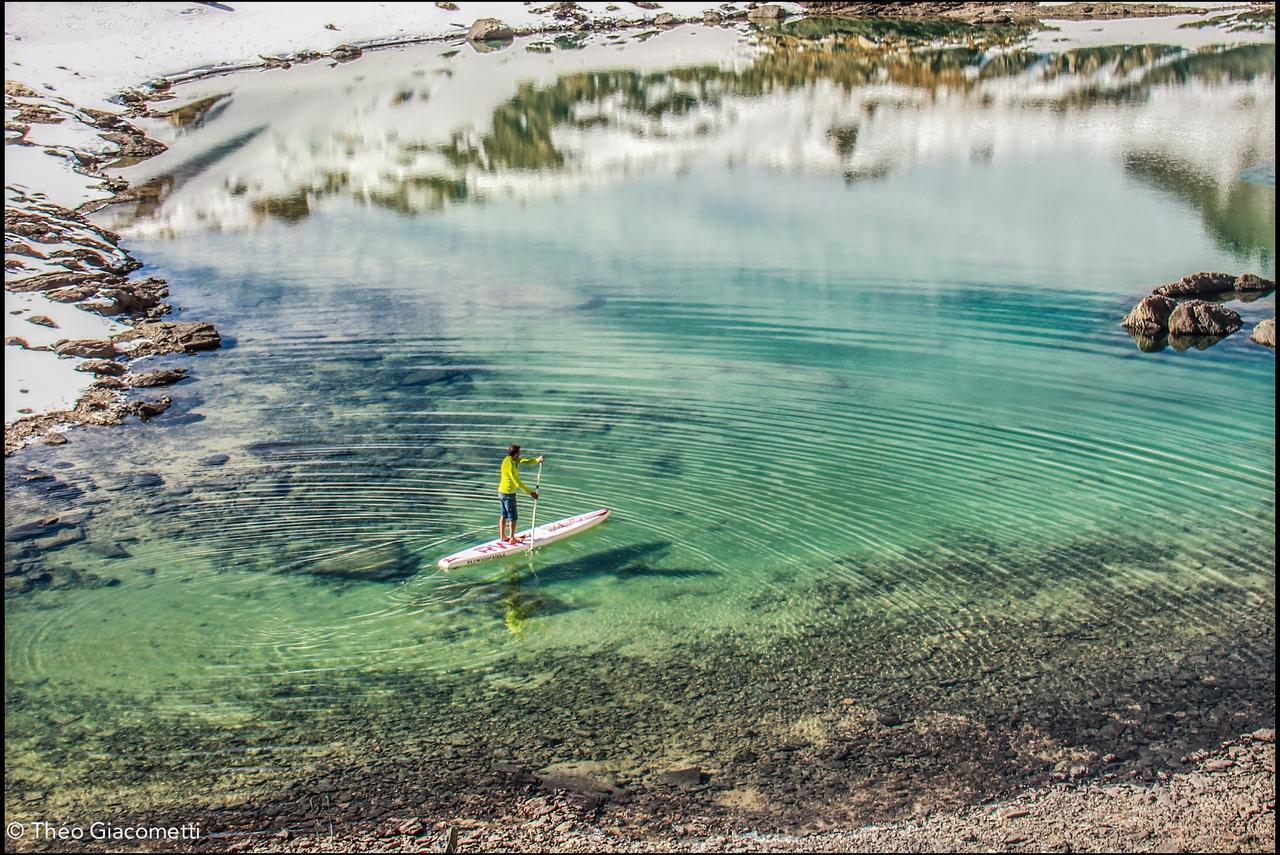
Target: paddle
{"x": 533, "y": 518}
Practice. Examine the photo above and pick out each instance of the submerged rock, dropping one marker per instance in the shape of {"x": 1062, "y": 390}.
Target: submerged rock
{"x": 390, "y": 562}
{"x": 585, "y": 779}
{"x": 107, "y": 549}
{"x": 35, "y": 528}
{"x": 1198, "y": 285}
{"x": 1150, "y": 316}
{"x": 1198, "y": 318}
{"x": 1264, "y": 333}
{"x": 147, "y": 410}
{"x": 489, "y": 30}
{"x": 432, "y": 376}
{"x": 686, "y": 779}
{"x": 62, "y": 538}
{"x": 160, "y": 377}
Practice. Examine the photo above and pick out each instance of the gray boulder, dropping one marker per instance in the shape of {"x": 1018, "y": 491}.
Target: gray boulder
{"x": 345, "y": 53}
{"x": 1198, "y": 318}
{"x": 1265, "y": 333}
{"x": 159, "y": 377}
{"x": 1150, "y": 316}
{"x": 490, "y": 30}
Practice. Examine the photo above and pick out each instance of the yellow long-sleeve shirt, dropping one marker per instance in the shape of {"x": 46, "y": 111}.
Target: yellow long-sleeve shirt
{"x": 511, "y": 474}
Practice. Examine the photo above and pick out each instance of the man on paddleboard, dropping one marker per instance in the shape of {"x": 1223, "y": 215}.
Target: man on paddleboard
{"x": 507, "y": 491}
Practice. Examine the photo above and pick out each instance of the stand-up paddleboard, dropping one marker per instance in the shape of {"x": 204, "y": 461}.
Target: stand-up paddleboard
{"x": 527, "y": 540}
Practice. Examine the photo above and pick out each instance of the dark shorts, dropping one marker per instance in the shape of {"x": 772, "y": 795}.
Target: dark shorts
{"x": 508, "y": 506}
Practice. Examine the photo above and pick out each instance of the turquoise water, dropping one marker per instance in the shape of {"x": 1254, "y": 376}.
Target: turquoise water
{"x": 816, "y": 395}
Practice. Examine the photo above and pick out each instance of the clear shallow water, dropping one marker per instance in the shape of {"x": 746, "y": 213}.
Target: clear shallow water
{"x": 865, "y": 378}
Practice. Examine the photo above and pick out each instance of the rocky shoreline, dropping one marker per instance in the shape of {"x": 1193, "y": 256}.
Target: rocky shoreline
{"x": 1225, "y": 802}
{"x": 55, "y": 252}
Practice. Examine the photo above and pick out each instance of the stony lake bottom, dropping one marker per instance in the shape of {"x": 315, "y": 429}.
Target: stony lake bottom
{"x": 902, "y": 518}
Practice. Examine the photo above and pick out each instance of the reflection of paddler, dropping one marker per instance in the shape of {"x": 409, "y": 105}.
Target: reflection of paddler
{"x": 507, "y": 486}
{"x": 518, "y": 609}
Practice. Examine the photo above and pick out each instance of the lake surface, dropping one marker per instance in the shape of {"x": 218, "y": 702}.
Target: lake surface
{"x": 832, "y": 327}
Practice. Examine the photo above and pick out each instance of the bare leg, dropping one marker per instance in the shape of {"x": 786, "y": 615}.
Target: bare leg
{"x": 502, "y": 528}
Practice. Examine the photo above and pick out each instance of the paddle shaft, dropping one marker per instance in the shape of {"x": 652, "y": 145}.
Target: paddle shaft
{"x": 533, "y": 518}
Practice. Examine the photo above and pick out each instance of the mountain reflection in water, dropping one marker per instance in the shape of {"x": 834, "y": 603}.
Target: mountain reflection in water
{"x": 857, "y": 100}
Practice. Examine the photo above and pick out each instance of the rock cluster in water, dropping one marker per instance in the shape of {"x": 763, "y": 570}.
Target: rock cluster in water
{"x": 1189, "y": 312}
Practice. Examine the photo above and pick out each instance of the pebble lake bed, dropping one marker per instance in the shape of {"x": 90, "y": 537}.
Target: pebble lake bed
{"x": 913, "y": 546}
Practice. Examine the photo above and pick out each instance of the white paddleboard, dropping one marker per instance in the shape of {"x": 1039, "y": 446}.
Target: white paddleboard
{"x": 544, "y": 534}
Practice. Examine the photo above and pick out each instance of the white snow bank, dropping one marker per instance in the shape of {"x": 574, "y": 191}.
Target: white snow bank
{"x": 40, "y": 380}
{"x": 72, "y": 323}
{"x": 31, "y": 173}
{"x": 34, "y": 383}
{"x": 37, "y": 381}
{"x": 1167, "y": 30}
{"x": 108, "y": 47}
